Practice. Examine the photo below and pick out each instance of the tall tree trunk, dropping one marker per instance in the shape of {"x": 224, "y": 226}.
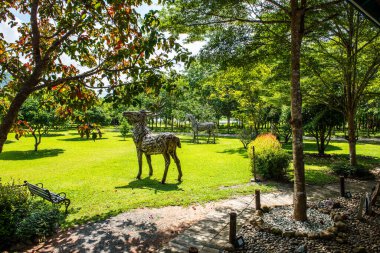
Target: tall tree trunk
{"x": 11, "y": 115}
{"x": 352, "y": 137}
{"x": 297, "y": 30}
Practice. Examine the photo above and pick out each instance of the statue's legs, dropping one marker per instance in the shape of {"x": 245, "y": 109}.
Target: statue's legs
{"x": 167, "y": 163}
{"x": 139, "y": 158}
{"x": 149, "y": 160}
{"x": 178, "y": 163}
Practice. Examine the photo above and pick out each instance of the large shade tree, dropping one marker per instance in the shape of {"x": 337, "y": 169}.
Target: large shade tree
{"x": 345, "y": 66}
{"x": 93, "y": 43}
{"x": 281, "y": 22}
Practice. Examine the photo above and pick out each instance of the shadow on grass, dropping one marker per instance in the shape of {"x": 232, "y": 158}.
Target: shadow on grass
{"x": 9, "y": 141}
{"x": 52, "y": 135}
{"x": 30, "y": 154}
{"x": 82, "y": 139}
{"x": 339, "y": 158}
{"x": 311, "y": 147}
{"x": 233, "y": 151}
{"x": 147, "y": 183}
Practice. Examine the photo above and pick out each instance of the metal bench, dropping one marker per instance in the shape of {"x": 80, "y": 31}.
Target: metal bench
{"x": 38, "y": 189}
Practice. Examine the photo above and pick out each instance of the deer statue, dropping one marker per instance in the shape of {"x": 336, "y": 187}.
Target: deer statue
{"x": 197, "y": 127}
{"x": 149, "y": 144}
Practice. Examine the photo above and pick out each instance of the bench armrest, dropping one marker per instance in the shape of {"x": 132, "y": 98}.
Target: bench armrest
{"x": 62, "y": 195}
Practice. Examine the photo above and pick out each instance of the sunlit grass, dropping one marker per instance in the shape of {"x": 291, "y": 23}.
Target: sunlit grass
{"x": 99, "y": 177}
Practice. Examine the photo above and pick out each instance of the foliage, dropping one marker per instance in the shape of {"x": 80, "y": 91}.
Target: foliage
{"x": 124, "y": 128}
{"x": 97, "y": 115}
{"x": 14, "y": 206}
{"x": 79, "y": 45}
{"x": 41, "y": 221}
{"x": 319, "y": 120}
{"x": 347, "y": 170}
{"x": 245, "y": 137}
{"x": 271, "y": 161}
{"x": 23, "y": 219}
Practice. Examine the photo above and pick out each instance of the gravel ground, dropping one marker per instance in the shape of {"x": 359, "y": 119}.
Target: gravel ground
{"x": 140, "y": 230}
{"x": 359, "y": 236}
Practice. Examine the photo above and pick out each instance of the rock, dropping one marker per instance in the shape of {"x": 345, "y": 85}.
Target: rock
{"x": 301, "y": 249}
{"x": 336, "y": 204}
{"x": 338, "y": 217}
{"x": 313, "y": 235}
{"x": 326, "y": 235}
{"x": 359, "y": 250}
{"x": 276, "y": 231}
{"x": 265, "y": 209}
{"x": 228, "y": 247}
{"x": 300, "y": 234}
{"x": 288, "y": 234}
{"x": 340, "y": 240}
{"x": 333, "y": 230}
{"x": 341, "y": 226}
{"x": 324, "y": 210}
{"x": 259, "y": 221}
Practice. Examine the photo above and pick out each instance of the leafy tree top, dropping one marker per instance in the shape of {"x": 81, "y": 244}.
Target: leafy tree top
{"x": 82, "y": 41}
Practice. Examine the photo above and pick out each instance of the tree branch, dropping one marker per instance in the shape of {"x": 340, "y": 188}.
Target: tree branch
{"x": 323, "y": 5}
{"x": 35, "y": 33}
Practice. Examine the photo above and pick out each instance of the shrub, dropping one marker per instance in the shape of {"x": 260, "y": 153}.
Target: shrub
{"x": 22, "y": 218}
{"x": 124, "y": 128}
{"x": 14, "y": 206}
{"x": 42, "y": 221}
{"x": 271, "y": 161}
{"x": 347, "y": 170}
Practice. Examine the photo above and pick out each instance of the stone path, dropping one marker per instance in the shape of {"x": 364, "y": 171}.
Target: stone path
{"x": 210, "y": 235}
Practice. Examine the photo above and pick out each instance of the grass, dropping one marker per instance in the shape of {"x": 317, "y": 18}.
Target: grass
{"x": 99, "y": 177}
{"x": 318, "y": 169}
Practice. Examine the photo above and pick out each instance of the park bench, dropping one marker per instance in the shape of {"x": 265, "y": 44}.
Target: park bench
{"x": 37, "y": 189}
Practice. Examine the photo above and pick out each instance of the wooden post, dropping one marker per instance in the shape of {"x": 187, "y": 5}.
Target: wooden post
{"x": 368, "y": 206}
{"x": 361, "y": 206}
{"x": 253, "y": 163}
{"x": 375, "y": 194}
{"x": 232, "y": 238}
{"x": 193, "y": 250}
{"x": 257, "y": 199}
{"x": 342, "y": 188}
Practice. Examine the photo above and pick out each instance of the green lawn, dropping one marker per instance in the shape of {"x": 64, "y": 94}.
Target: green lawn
{"x": 317, "y": 169}
{"x": 99, "y": 177}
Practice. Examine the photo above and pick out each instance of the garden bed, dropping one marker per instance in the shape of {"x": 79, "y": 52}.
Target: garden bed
{"x": 332, "y": 227}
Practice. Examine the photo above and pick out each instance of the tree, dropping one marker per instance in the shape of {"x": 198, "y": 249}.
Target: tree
{"x": 299, "y": 17}
{"x": 35, "y": 117}
{"x": 320, "y": 120}
{"x": 345, "y": 65}
{"x": 80, "y": 43}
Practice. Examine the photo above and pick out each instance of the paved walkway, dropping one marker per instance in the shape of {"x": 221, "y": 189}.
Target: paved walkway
{"x": 209, "y": 235}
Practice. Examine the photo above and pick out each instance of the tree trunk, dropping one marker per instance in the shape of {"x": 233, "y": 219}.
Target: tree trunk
{"x": 228, "y": 124}
{"x": 297, "y": 30}
{"x": 352, "y": 137}
{"x": 11, "y": 115}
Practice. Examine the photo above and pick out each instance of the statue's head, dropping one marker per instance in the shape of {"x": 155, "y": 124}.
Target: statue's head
{"x": 136, "y": 117}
